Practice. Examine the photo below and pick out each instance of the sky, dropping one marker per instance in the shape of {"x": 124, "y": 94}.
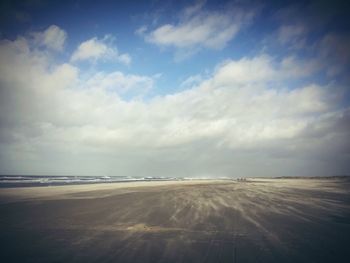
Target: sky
{"x": 175, "y": 88}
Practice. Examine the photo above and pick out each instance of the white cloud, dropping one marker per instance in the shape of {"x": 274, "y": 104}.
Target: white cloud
{"x": 141, "y": 30}
{"x": 120, "y": 83}
{"x": 95, "y": 49}
{"x": 199, "y": 28}
{"x": 191, "y": 81}
{"x": 52, "y": 38}
{"x": 125, "y": 59}
{"x": 92, "y": 49}
{"x": 291, "y": 34}
{"x": 261, "y": 69}
{"x": 234, "y": 122}
{"x": 245, "y": 70}
{"x": 295, "y": 68}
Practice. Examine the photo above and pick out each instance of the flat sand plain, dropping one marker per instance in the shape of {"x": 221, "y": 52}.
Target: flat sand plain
{"x": 260, "y": 220}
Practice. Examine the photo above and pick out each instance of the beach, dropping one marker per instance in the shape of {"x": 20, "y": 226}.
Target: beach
{"x": 257, "y": 220}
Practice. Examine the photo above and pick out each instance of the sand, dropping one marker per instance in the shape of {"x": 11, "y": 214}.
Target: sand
{"x": 261, "y": 220}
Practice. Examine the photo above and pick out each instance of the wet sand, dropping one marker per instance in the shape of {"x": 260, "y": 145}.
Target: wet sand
{"x": 261, "y": 220}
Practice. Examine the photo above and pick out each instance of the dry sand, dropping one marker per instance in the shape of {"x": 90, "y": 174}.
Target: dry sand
{"x": 262, "y": 220}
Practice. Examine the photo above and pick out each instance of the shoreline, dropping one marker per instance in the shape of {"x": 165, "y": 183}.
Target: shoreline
{"x": 37, "y": 192}
{"x": 89, "y": 190}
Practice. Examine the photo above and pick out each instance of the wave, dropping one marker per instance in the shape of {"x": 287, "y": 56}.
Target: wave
{"x": 45, "y": 180}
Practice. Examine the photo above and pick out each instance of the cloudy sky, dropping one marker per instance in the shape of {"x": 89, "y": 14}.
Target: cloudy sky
{"x": 175, "y": 88}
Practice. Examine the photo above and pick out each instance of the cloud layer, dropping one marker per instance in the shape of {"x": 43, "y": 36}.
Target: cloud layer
{"x": 99, "y": 49}
{"x": 198, "y": 28}
{"x": 240, "y": 121}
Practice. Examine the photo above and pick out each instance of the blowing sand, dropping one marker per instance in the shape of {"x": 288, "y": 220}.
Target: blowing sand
{"x": 280, "y": 220}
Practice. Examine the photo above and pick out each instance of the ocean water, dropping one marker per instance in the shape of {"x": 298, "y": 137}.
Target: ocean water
{"x": 51, "y": 180}
{"x": 46, "y": 180}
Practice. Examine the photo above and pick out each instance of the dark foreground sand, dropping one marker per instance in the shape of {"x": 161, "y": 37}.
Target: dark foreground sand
{"x": 294, "y": 220}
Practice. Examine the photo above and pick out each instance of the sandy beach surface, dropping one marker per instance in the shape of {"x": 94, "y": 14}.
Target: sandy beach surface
{"x": 260, "y": 220}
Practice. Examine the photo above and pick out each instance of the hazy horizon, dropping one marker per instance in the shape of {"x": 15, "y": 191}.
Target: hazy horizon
{"x": 175, "y": 88}
{"x": 175, "y": 177}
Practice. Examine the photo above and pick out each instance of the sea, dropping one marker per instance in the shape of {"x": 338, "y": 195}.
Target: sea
{"x": 51, "y": 180}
